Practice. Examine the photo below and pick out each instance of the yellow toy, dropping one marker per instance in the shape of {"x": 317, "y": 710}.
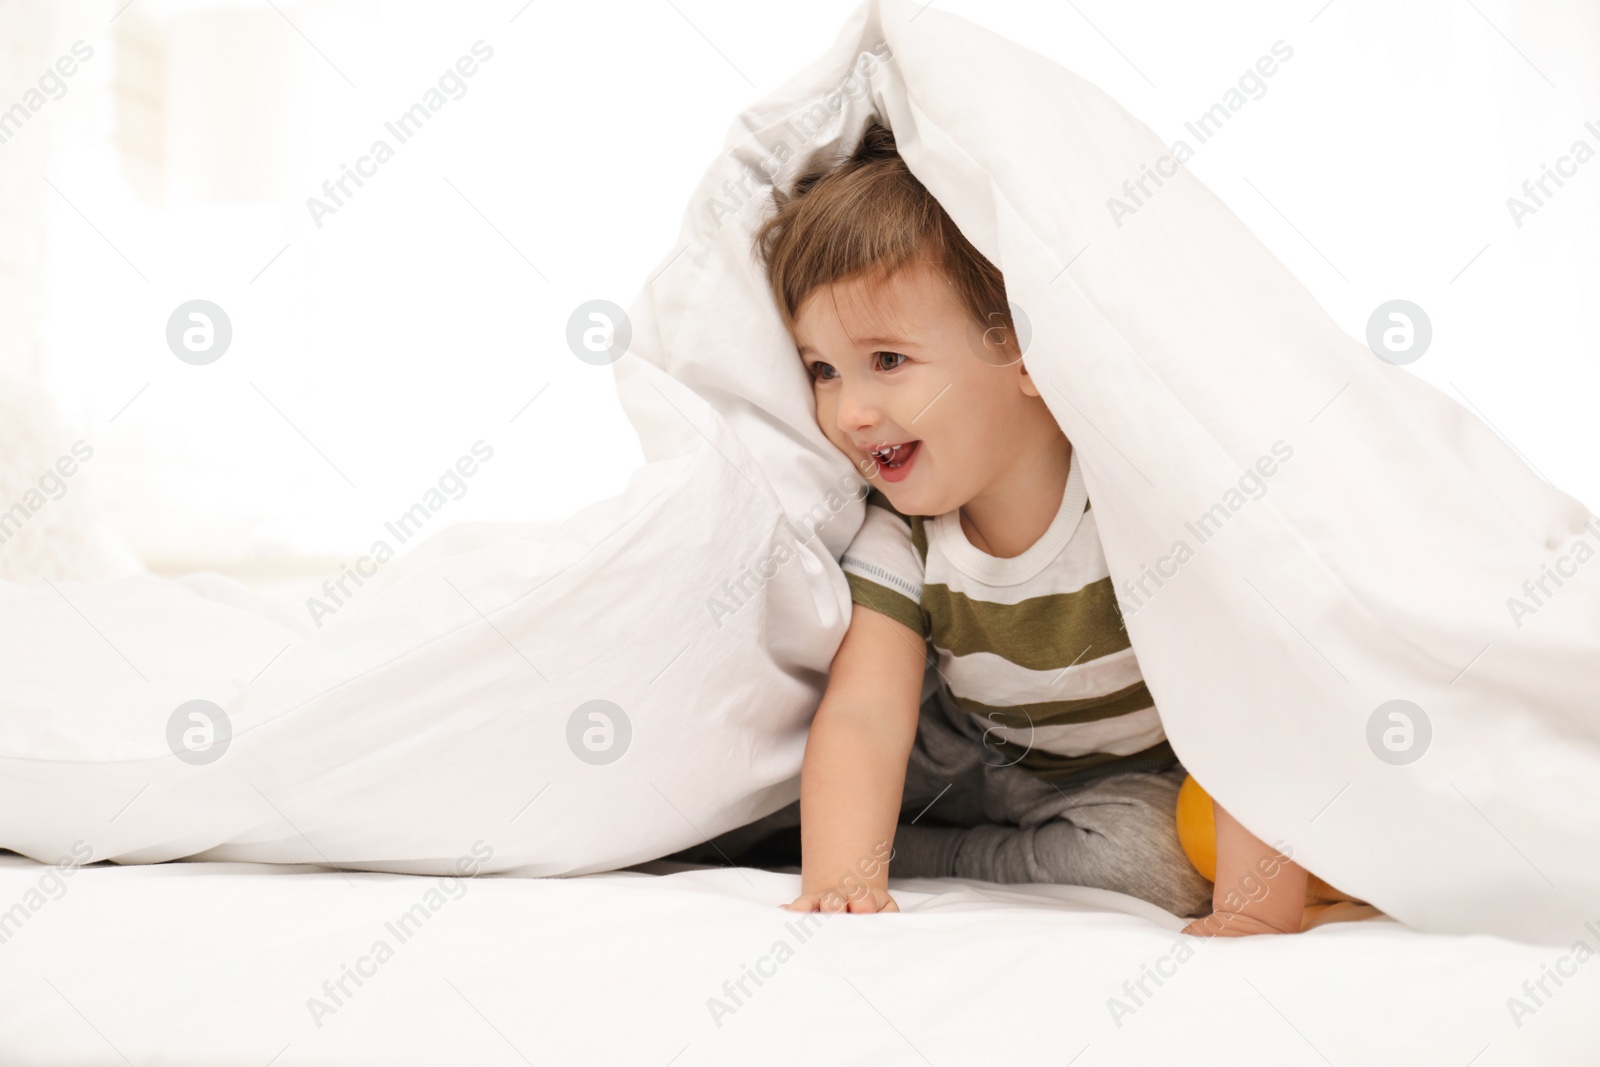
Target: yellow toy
{"x": 1197, "y": 827}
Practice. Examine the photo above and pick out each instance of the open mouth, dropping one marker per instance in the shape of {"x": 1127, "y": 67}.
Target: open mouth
{"x": 893, "y": 460}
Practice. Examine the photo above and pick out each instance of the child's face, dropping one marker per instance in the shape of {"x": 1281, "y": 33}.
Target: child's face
{"x": 905, "y": 362}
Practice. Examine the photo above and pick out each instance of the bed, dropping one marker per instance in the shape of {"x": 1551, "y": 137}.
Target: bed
{"x": 238, "y": 963}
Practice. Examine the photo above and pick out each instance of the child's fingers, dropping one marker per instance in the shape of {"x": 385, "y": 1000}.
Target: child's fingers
{"x": 835, "y": 903}
{"x": 1231, "y": 924}
{"x": 839, "y": 903}
{"x": 874, "y": 902}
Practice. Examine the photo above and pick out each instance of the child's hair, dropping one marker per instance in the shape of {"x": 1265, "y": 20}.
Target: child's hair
{"x": 867, "y": 214}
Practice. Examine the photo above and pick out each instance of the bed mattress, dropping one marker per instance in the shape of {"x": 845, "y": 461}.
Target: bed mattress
{"x": 668, "y": 963}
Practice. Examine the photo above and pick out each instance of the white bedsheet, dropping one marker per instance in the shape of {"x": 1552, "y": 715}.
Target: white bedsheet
{"x": 214, "y": 963}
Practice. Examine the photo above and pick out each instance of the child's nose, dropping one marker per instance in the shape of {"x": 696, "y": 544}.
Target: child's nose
{"x": 857, "y": 409}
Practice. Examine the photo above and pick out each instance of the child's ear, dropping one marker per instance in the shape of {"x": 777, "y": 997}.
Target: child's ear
{"x": 1026, "y": 380}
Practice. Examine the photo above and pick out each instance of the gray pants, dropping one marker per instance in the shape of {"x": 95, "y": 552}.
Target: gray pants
{"x": 965, "y": 814}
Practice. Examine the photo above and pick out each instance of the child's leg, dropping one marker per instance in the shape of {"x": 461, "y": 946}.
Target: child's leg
{"x": 943, "y": 796}
{"x": 977, "y": 817}
{"x": 1117, "y": 832}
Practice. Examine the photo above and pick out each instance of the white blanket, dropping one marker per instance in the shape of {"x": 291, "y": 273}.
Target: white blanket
{"x": 1370, "y": 536}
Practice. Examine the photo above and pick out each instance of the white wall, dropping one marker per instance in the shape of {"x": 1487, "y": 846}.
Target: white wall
{"x": 28, "y": 34}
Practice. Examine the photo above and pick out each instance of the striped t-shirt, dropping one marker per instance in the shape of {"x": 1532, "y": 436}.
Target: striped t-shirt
{"x": 1033, "y": 644}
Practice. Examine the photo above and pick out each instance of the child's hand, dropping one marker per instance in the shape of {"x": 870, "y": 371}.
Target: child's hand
{"x": 867, "y": 900}
{"x": 1258, "y": 890}
{"x": 1232, "y": 924}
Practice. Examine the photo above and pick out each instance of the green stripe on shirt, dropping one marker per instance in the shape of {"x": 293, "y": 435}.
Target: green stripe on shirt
{"x": 890, "y": 602}
{"x": 1040, "y": 633}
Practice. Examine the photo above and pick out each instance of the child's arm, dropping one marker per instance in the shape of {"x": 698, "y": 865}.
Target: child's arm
{"x": 1257, "y": 891}
{"x": 855, "y": 766}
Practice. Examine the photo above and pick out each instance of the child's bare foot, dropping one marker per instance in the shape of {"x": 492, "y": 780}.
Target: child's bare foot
{"x": 1342, "y": 911}
{"x": 1320, "y": 892}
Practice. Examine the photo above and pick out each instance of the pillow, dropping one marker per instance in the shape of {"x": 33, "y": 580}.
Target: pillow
{"x": 567, "y": 698}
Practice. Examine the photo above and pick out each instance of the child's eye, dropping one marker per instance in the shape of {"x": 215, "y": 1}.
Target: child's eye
{"x": 825, "y": 372}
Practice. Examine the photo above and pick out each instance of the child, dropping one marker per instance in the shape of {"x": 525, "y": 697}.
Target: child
{"x": 1039, "y": 756}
